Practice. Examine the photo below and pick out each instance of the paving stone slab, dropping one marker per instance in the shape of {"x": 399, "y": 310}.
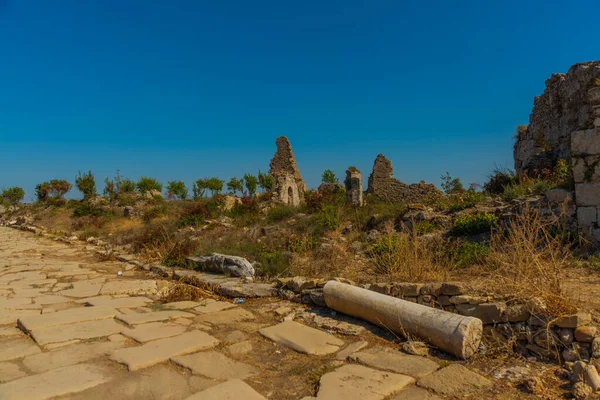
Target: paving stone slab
{"x": 143, "y": 318}
{"x": 391, "y": 360}
{"x": 123, "y": 302}
{"x": 161, "y": 350}
{"x": 64, "y": 317}
{"x": 415, "y": 393}
{"x": 207, "y": 307}
{"x": 352, "y": 348}
{"x": 71, "y": 355}
{"x": 302, "y": 338}
{"x": 11, "y": 316}
{"x": 83, "y": 289}
{"x": 51, "y": 299}
{"x": 356, "y": 382}
{"x": 214, "y": 365}
{"x": 9, "y": 332}
{"x": 10, "y": 371}
{"x": 155, "y": 330}
{"x": 57, "y": 382}
{"x": 16, "y": 348}
{"x": 240, "y": 348}
{"x": 181, "y": 305}
{"x": 454, "y": 381}
{"x": 130, "y": 286}
{"x": 234, "y": 389}
{"x": 227, "y": 317}
{"x": 81, "y": 330}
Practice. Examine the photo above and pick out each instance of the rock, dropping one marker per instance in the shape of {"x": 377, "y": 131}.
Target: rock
{"x": 10, "y": 371}
{"x": 581, "y": 391}
{"x": 81, "y": 330}
{"x": 128, "y": 212}
{"x": 516, "y": 313}
{"x": 227, "y": 317}
{"x": 488, "y": 313}
{"x": 415, "y": 348}
{"x": 238, "y": 349}
{"x": 406, "y": 289}
{"x": 144, "y": 318}
{"x": 229, "y": 202}
{"x": 585, "y": 334}
{"x": 578, "y": 370}
{"x": 299, "y": 284}
{"x": 317, "y": 297}
{"x": 152, "y": 331}
{"x": 596, "y": 348}
{"x": 17, "y": 348}
{"x": 455, "y": 381}
{"x": 453, "y": 288}
{"x": 355, "y": 382}
{"x": 566, "y": 335}
{"x": 574, "y": 320}
{"x": 302, "y": 339}
{"x": 231, "y": 265}
{"x": 591, "y": 377}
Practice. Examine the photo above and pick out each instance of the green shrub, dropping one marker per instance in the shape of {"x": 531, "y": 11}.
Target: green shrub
{"x": 280, "y": 212}
{"x": 117, "y": 187}
{"x": 328, "y": 218}
{"x": 155, "y": 212}
{"x": 329, "y": 177}
{"x": 451, "y": 185}
{"x": 265, "y": 181}
{"x": 146, "y": 184}
{"x": 472, "y": 224}
{"x": 468, "y": 199}
{"x": 177, "y": 189}
{"x": 12, "y": 195}
{"x": 466, "y": 254}
{"x": 54, "y": 189}
{"x": 251, "y": 183}
{"x": 86, "y": 184}
{"x": 86, "y": 209}
{"x": 215, "y": 186}
{"x": 235, "y": 185}
{"x": 499, "y": 180}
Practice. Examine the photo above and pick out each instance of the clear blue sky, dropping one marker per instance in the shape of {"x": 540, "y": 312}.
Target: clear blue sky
{"x": 186, "y": 89}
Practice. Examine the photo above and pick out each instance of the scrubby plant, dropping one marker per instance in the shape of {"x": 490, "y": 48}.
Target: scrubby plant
{"x": 87, "y": 209}
{"x": 215, "y": 185}
{"x": 464, "y": 254}
{"x": 280, "y": 212}
{"x": 113, "y": 188}
{"x": 86, "y": 184}
{"x": 12, "y": 195}
{"x": 473, "y": 223}
{"x": 451, "y": 185}
{"x": 499, "y": 180}
{"x": 328, "y": 218}
{"x": 235, "y": 185}
{"x": 329, "y": 177}
{"x": 265, "y": 182}
{"x": 251, "y": 183}
{"x": 177, "y": 189}
{"x": 54, "y": 189}
{"x": 146, "y": 184}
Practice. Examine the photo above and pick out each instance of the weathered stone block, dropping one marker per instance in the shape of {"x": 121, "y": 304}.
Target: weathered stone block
{"x": 516, "y": 313}
{"x": 487, "y": 313}
{"x": 587, "y": 194}
{"x": 383, "y": 288}
{"x": 586, "y": 169}
{"x": 444, "y": 300}
{"x": 461, "y": 299}
{"x": 453, "y": 288}
{"x": 432, "y": 289}
{"x": 585, "y": 334}
{"x": 585, "y": 142}
{"x": 587, "y": 217}
{"x": 559, "y": 195}
{"x": 405, "y": 289}
{"x": 574, "y": 320}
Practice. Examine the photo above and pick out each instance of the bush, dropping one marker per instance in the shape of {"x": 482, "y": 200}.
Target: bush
{"x": 328, "y": 218}
{"x": 265, "y": 181}
{"x": 177, "y": 189}
{"x": 459, "y": 202}
{"x": 155, "y": 212}
{"x": 54, "y": 189}
{"x": 472, "y": 224}
{"x": 12, "y": 195}
{"x": 500, "y": 180}
{"x": 86, "y": 184}
{"x": 215, "y": 185}
{"x": 146, "y": 184}
{"x": 451, "y": 185}
{"x": 329, "y": 177}
{"x": 86, "y": 209}
{"x": 280, "y": 212}
{"x": 251, "y": 182}
{"x": 235, "y": 185}
{"x": 117, "y": 187}
{"x": 465, "y": 254}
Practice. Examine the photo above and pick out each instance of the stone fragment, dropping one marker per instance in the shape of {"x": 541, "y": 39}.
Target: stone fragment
{"x": 222, "y": 263}
{"x": 161, "y": 350}
{"x": 152, "y": 331}
{"x": 578, "y": 370}
{"x": 349, "y": 350}
{"x": 596, "y": 347}
{"x": 390, "y": 360}
{"x": 581, "y": 391}
{"x": 585, "y": 334}
{"x": 574, "y": 320}
{"x": 591, "y": 377}
{"x": 415, "y": 393}
{"x": 355, "y": 382}
{"x": 143, "y": 318}
{"x": 9, "y": 372}
{"x": 56, "y": 382}
{"x": 11, "y": 316}
{"x": 9, "y": 332}
{"x": 70, "y": 316}
{"x": 50, "y": 299}
{"x": 226, "y": 317}
{"x": 453, "y": 288}
{"x": 234, "y": 389}
{"x": 241, "y": 348}
{"x": 214, "y": 365}
{"x": 17, "y": 348}
{"x": 455, "y": 381}
{"x": 82, "y": 330}
{"x": 566, "y": 335}
{"x": 302, "y": 338}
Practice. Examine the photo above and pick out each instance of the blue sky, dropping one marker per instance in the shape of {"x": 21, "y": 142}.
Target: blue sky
{"x": 187, "y": 89}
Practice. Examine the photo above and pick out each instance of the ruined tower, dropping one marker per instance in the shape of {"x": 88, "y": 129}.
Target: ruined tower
{"x": 354, "y": 191}
{"x": 289, "y": 185}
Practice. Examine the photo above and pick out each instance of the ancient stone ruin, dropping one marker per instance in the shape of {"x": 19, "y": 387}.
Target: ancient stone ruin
{"x": 383, "y": 185}
{"x": 289, "y": 185}
{"x": 354, "y": 190}
{"x": 565, "y": 124}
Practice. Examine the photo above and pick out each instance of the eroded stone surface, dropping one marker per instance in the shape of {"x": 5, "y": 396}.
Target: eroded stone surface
{"x": 390, "y": 360}
{"x": 207, "y": 307}
{"x": 214, "y": 365}
{"x": 454, "y": 380}
{"x": 226, "y": 317}
{"x": 415, "y": 393}
{"x": 70, "y": 316}
{"x": 17, "y": 348}
{"x": 70, "y": 355}
{"x": 143, "y": 318}
{"x": 10, "y": 371}
{"x": 302, "y": 338}
{"x": 122, "y": 302}
{"x": 152, "y": 331}
{"x": 161, "y": 350}
{"x": 131, "y": 287}
{"x": 234, "y": 389}
{"x": 81, "y": 330}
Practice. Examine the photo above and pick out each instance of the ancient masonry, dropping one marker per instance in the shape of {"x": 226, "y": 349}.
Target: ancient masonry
{"x": 353, "y": 183}
{"x": 565, "y": 124}
{"x": 289, "y": 185}
{"x": 383, "y": 185}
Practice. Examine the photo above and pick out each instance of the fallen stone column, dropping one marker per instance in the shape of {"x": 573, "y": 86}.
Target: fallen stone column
{"x": 453, "y": 333}
{"x": 230, "y": 265}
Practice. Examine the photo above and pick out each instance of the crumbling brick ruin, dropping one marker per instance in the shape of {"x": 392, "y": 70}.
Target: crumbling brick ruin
{"x": 562, "y": 109}
{"x": 383, "y": 185}
{"x": 354, "y": 190}
{"x": 565, "y": 124}
{"x": 289, "y": 185}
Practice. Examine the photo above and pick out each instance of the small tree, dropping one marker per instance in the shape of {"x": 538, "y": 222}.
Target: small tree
{"x": 199, "y": 188}
{"x": 56, "y": 189}
{"x": 146, "y": 184}
{"x": 12, "y": 195}
{"x": 215, "y": 185}
{"x": 119, "y": 185}
{"x": 177, "y": 189}
{"x": 251, "y": 182}
{"x": 265, "y": 181}
{"x": 86, "y": 184}
{"x": 451, "y": 185}
{"x": 329, "y": 177}
{"x": 235, "y": 185}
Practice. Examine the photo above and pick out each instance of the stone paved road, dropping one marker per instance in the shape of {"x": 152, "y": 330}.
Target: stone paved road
{"x": 70, "y": 327}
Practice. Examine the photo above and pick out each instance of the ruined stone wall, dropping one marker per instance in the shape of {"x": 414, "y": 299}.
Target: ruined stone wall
{"x": 383, "y": 185}
{"x": 560, "y": 110}
{"x": 289, "y": 185}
